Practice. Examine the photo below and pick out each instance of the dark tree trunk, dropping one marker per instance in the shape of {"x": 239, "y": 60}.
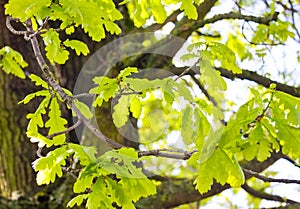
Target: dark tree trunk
{"x": 16, "y": 152}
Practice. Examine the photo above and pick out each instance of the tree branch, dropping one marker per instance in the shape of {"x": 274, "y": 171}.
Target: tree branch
{"x": 177, "y": 192}
{"x": 266, "y": 82}
{"x": 268, "y": 179}
{"x": 168, "y": 153}
{"x": 58, "y": 89}
{"x": 236, "y": 16}
{"x": 65, "y": 131}
{"x": 266, "y": 196}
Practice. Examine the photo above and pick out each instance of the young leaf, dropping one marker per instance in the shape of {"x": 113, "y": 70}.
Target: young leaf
{"x": 84, "y": 109}
{"x": 127, "y": 72}
{"x": 189, "y": 9}
{"x": 221, "y": 166}
{"x": 121, "y": 112}
{"x": 85, "y": 154}
{"x": 78, "y": 46}
{"x": 26, "y": 9}
{"x": 226, "y": 56}
{"x": 12, "y": 62}
{"x": 187, "y": 125}
{"x": 31, "y": 96}
{"x": 56, "y": 123}
{"x": 107, "y": 88}
{"x": 135, "y": 107}
{"x": 112, "y": 27}
{"x": 36, "y": 121}
{"x": 50, "y": 166}
{"x": 38, "y": 81}
{"x": 77, "y": 200}
{"x": 158, "y": 11}
{"x": 55, "y": 51}
{"x": 210, "y": 145}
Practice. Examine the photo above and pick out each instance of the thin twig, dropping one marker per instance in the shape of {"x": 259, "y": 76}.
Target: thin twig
{"x": 237, "y": 16}
{"x": 65, "y": 131}
{"x": 12, "y": 29}
{"x": 27, "y": 38}
{"x": 180, "y": 154}
{"x": 267, "y": 196}
{"x": 291, "y": 161}
{"x": 268, "y": 179}
{"x": 129, "y": 93}
{"x": 204, "y": 91}
{"x": 83, "y": 95}
{"x": 183, "y": 73}
{"x": 293, "y": 18}
{"x": 39, "y": 152}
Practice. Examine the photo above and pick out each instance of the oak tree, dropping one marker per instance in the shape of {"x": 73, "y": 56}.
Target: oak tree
{"x": 140, "y": 104}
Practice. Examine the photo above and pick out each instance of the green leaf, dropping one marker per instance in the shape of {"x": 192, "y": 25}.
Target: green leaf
{"x": 83, "y": 14}
{"x": 31, "y": 96}
{"x": 289, "y": 137}
{"x": 291, "y": 106}
{"x": 158, "y": 11}
{"x": 85, "y": 179}
{"x": 78, "y": 46}
{"x": 210, "y": 145}
{"x": 77, "y": 200}
{"x": 226, "y": 56}
{"x": 203, "y": 127}
{"x": 238, "y": 124}
{"x": 257, "y": 145}
{"x": 12, "y": 62}
{"x": 84, "y": 109}
{"x": 50, "y": 166}
{"x": 189, "y": 9}
{"x": 85, "y": 154}
{"x": 26, "y": 9}
{"x": 36, "y": 121}
{"x": 98, "y": 198}
{"x": 236, "y": 44}
{"x": 121, "y": 112}
{"x": 261, "y": 34}
{"x": 188, "y": 129}
{"x": 221, "y": 166}
{"x": 107, "y": 88}
{"x": 135, "y": 107}
{"x": 127, "y": 71}
{"x": 55, "y": 51}
{"x": 182, "y": 90}
{"x": 38, "y": 81}
{"x": 113, "y": 28}
{"x": 210, "y": 77}
{"x": 56, "y": 123}
{"x": 121, "y": 163}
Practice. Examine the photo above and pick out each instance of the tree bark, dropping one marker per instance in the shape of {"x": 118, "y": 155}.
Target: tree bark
{"x": 16, "y": 152}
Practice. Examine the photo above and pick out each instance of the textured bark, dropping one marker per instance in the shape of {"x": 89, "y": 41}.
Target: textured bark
{"x": 16, "y": 152}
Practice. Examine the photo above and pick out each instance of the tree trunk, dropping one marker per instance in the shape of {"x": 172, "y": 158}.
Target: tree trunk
{"x": 16, "y": 152}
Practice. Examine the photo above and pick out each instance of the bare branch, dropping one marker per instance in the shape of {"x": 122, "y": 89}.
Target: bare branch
{"x": 83, "y": 95}
{"x": 266, "y": 196}
{"x": 266, "y": 82}
{"x": 268, "y": 179}
{"x": 27, "y": 38}
{"x": 184, "y": 155}
{"x": 233, "y": 15}
{"x": 11, "y": 28}
{"x": 291, "y": 161}
{"x": 65, "y": 131}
